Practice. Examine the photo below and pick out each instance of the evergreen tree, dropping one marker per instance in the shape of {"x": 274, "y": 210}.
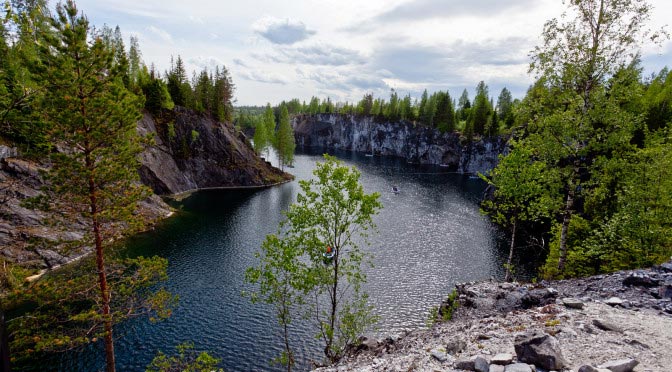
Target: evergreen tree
{"x": 135, "y": 64}
{"x": 91, "y": 112}
{"x": 285, "y": 139}
{"x": 505, "y": 107}
{"x": 178, "y": 85}
{"x": 463, "y": 105}
{"x": 445, "y": 114}
{"x": 481, "y": 109}
{"x": 422, "y": 109}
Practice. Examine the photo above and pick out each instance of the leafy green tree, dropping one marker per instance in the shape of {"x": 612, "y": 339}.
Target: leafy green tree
{"x": 333, "y": 211}
{"x": 91, "y": 113}
{"x": 576, "y": 59}
{"x": 280, "y": 280}
{"x": 261, "y": 138}
{"x": 285, "y": 139}
{"x": 268, "y": 121}
{"x": 186, "y": 360}
{"x": 523, "y": 192}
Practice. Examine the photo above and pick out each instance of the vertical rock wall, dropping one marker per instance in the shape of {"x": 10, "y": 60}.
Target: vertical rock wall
{"x": 416, "y": 144}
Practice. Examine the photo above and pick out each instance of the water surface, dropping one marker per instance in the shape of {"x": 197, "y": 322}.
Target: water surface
{"x": 431, "y": 236}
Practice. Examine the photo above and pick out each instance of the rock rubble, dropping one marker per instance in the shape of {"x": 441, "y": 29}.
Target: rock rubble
{"x": 501, "y": 327}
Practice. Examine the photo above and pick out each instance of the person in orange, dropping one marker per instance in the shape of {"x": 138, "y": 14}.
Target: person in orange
{"x": 328, "y": 249}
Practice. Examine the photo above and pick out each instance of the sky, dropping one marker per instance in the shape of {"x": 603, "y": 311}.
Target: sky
{"x": 342, "y": 49}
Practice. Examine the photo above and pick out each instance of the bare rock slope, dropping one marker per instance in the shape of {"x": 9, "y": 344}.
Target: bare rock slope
{"x": 615, "y": 322}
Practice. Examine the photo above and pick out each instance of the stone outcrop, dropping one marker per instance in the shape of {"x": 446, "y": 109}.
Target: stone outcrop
{"x": 540, "y": 349}
{"x": 192, "y": 151}
{"x": 189, "y": 152}
{"x": 38, "y": 238}
{"x": 416, "y": 144}
{"x": 571, "y": 328}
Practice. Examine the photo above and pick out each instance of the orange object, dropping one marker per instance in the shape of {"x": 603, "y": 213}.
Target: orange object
{"x": 328, "y": 249}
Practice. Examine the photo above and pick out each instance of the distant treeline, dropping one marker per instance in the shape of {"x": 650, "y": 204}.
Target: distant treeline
{"x": 437, "y": 110}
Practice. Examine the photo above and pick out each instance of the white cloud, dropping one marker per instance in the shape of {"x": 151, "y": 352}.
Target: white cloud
{"x": 162, "y": 34}
{"x": 282, "y": 31}
{"x": 264, "y": 77}
{"x": 344, "y": 48}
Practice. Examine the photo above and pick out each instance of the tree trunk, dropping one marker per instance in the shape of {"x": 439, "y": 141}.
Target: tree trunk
{"x": 507, "y": 277}
{"x": 102, "y": 275}
{"x": 567, "y": 216}
{"x": 332, "y": 318}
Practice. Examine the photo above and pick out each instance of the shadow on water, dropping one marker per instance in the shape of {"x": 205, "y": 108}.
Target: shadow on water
{"x": 431, "y": 236}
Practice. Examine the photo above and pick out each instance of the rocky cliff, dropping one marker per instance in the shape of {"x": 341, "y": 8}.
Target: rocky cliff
{"x": 416, "y": 144}
{"x": 188, "y": 152}
{"x": 192, "y": 151}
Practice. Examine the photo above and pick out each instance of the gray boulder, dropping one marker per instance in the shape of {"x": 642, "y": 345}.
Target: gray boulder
{"x": 502, "y": 359}
{"x": 624, "y": 365}
{"x": 589, "y": 368}
{"x": 607, "y": 326}
{"x": 665, "y": 290}
{"x": 481, "y": 364}
{"x": 572, "y": 303}
{"x": 518, "y": 367}
{"x": 641, "y": 279}
{"x": 465, "y": 364}
{"x": 540, "y": 349}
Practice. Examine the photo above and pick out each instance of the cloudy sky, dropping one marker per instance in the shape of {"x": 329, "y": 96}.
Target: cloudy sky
{"x": 342, "y": 49}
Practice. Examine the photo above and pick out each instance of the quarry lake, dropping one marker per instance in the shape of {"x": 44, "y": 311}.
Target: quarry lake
{"x": 431, "y": 236}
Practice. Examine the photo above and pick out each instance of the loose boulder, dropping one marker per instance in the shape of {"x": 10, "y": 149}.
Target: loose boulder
{"x": 540, "y": 349}
{"x": 624, "y": 365}
{"x": 607, "y": 326}
{"x": 641, "y": 279}
{"x": 518, "y": 367}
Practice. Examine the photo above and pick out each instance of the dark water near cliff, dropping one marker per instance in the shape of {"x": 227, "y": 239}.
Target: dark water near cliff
{"x": 431, "y": 235}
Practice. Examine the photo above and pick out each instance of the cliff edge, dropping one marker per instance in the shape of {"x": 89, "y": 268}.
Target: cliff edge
{"x": 416, "y": 144}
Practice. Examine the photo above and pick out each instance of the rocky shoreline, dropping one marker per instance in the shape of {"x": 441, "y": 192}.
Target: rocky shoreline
{"x": 616, "y": 322}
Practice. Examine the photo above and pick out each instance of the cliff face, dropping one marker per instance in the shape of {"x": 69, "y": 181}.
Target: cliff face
{"x": 189, "y": 152}
{"x": 39, "y": 238}
{"x": 192, "y": 151}
{"x": 415, "y": 144}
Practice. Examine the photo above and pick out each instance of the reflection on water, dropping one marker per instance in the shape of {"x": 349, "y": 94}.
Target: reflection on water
{"x": 431, "y": 235}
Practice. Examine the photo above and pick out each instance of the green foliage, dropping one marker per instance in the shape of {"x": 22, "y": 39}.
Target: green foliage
{"x": 186, "y": 360}
{"x": 194, "y": 135}
{"x": 261, "y": 138}
{"x": 444, "y": 312}
{"x": 332, "y": 210}
{"x": 285, "y": 139}
{"x": 62, "y": 309}
{"x": 525, "y": 190}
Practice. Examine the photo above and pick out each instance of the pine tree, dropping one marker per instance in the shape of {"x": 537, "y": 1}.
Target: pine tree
{"x": 92, "y": 114}
{"x": 481, "y": 109}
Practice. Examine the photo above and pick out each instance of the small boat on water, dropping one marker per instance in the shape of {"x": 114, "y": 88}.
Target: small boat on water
{"x": 395, "y": 189}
